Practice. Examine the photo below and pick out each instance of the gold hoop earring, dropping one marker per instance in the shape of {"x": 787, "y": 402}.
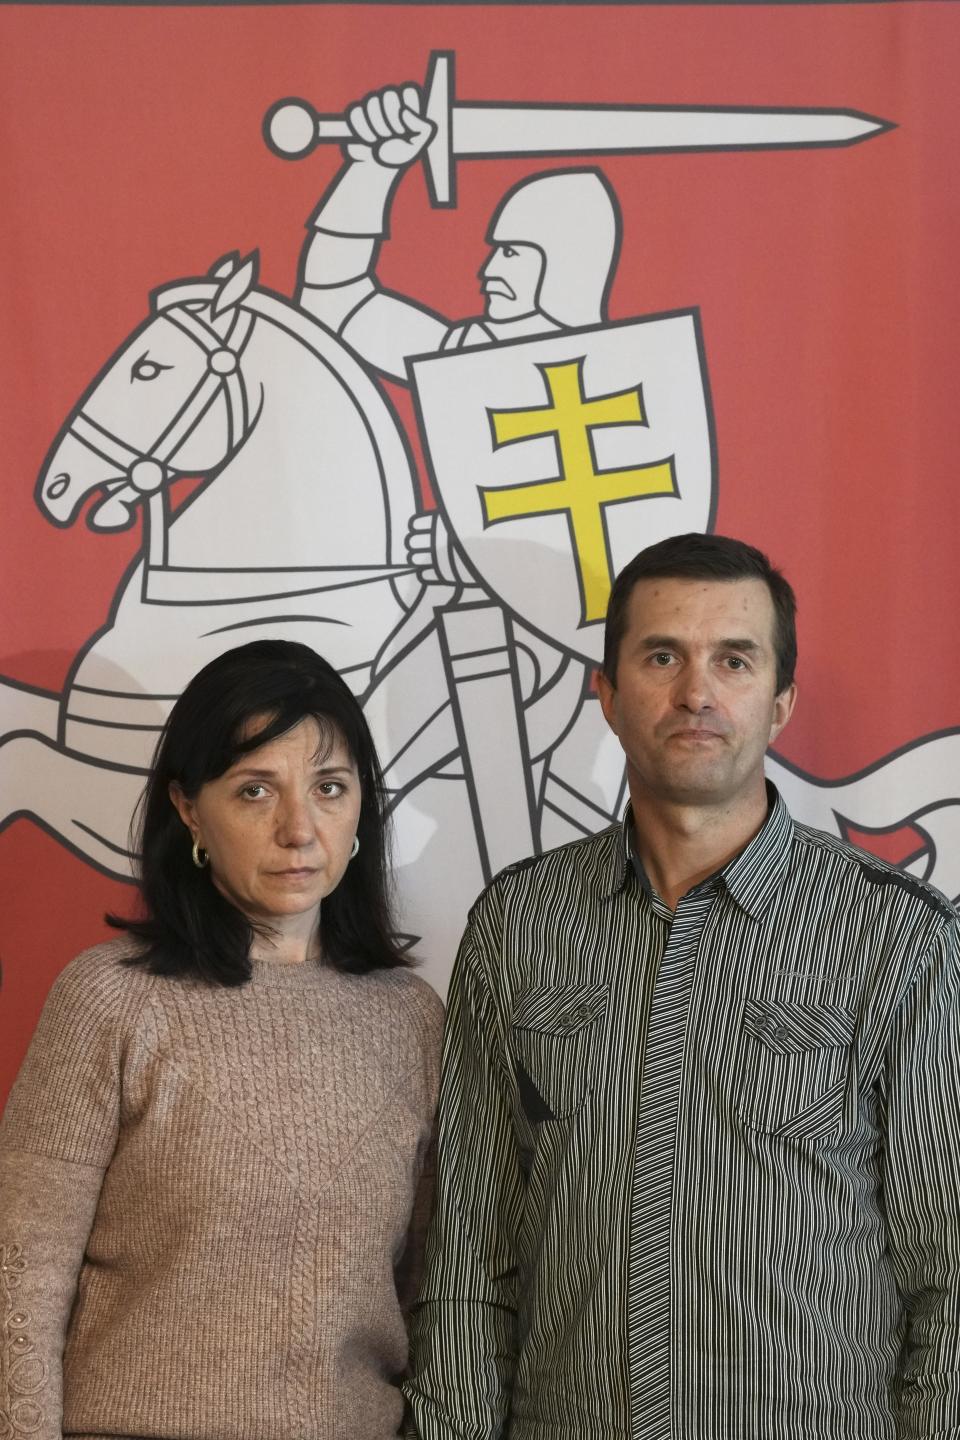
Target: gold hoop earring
{"x": 355, "y": 847}
{"x": 200, "y": 857}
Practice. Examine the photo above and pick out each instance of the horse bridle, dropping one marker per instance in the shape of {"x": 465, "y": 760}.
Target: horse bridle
{"x": 146, "y": 470}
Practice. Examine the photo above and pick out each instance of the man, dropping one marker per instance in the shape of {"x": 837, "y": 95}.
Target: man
{"x": 700, "y": 1119}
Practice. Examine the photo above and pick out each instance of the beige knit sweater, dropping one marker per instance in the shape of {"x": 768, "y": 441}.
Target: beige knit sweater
{"x": 205, "y": 1204}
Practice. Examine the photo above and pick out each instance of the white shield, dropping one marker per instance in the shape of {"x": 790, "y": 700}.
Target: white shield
{"x": 554, "y": 460}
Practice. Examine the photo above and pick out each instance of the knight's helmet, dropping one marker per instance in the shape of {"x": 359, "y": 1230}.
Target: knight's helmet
{"x": 572, "y": 217}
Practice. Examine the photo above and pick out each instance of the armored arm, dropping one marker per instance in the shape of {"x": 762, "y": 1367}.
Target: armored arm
{"x": 338, "y": 281}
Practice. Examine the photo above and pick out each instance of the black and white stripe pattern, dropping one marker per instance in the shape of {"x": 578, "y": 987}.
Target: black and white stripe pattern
{"x": 655, "y": 1162}
{"x": 699, "y": 1175}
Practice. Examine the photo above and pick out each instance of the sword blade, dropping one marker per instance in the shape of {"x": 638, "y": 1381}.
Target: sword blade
{"x": 489, "y": 130}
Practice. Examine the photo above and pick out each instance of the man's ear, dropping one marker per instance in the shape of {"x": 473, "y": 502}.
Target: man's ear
{"x": 607, "y": 695}
{"x": 783, "y": 709}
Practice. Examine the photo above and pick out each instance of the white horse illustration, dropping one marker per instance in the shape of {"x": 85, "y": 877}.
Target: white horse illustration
{"x": 295, "y": 531}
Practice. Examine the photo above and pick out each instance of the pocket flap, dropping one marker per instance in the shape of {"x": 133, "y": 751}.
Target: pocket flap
{"x": 789, "y": 1026}
{"x": 559, "y": 1009}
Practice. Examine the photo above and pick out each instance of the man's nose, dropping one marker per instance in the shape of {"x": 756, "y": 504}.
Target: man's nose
{"x": 694, "y": 688}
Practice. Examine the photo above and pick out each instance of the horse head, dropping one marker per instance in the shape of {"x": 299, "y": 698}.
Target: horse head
{"x": 171, "y": 401}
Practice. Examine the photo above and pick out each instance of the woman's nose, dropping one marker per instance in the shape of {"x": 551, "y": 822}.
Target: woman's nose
{"x": 294, "y": 825}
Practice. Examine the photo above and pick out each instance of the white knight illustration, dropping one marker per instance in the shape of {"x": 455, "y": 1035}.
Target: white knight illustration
{"x": 553, "y": 240}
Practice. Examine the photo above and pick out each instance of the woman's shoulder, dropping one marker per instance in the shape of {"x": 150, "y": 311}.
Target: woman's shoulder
{"x": 412, "y": 997}
{"x": 415, "y": 991}
{"x": 102, "y": 980}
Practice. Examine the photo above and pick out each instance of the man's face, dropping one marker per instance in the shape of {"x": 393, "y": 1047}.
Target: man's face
{"x": 510, "y": 281}
{"x": 695, "y": 704}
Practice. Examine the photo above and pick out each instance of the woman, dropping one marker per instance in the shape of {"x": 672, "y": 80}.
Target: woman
{"x": 210, "y": 1159}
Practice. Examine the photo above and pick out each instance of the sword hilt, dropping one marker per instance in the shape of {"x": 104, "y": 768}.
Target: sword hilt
{"x": 293, "y": 128}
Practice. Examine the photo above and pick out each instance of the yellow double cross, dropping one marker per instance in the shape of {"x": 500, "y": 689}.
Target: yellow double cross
{"x": 580, "y": 490}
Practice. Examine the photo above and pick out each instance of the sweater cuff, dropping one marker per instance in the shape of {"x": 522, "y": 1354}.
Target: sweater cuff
{"x": 46, "y": 1213}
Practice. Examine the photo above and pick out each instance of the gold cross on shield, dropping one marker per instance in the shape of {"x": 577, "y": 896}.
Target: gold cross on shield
{"x": 580, "y": 490}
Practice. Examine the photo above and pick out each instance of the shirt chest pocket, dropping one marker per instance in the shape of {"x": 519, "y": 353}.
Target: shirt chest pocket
{"x": 555, "y": 1032}
{"x": 795, "y": 1067}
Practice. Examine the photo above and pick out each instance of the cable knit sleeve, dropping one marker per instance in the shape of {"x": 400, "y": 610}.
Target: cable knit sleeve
{"x": 56, "y": 1138}
{"x": 425, "y": 1078}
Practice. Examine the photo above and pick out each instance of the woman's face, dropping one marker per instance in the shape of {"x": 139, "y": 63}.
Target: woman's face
{"x": 279, "y": 826}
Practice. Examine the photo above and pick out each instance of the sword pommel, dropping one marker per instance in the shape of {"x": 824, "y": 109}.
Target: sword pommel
{"x": 293, "y": 128}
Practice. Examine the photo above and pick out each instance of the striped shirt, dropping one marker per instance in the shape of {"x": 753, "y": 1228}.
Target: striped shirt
{"x": 699, "y": 1172}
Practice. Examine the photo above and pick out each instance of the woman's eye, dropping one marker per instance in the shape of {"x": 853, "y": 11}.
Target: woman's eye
{"x": 254, "y": 791}
{"x": 145, "y": 369}
{"x": 736, "y": 662}
{"x": 331, "y": 789}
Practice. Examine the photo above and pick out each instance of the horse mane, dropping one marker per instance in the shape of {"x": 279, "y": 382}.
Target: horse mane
{"x": 397, "y": 468}
{"x": 282, "y": 312}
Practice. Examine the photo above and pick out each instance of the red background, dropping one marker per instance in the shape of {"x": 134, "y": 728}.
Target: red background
{"x": 131, "y": 154}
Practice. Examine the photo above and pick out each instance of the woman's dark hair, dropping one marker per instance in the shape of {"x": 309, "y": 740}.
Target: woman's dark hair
{"x": 189, "y": 927}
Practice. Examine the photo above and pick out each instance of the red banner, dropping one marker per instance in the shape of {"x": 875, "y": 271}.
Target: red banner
{"x": 806, "y": 252}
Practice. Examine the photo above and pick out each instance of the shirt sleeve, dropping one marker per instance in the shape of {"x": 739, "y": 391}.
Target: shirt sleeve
{"x": 409, "y": 1270}
{"x": 464, "y": 1327}
{"x": 921, "y": 1192}
{"x": 56, "y": 1138}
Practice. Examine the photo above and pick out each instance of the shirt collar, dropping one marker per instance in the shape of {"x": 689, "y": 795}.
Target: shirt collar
{"x": 754, "y": 876}
{"x": 751, "y": 878}
{"x": 616, "y": 861}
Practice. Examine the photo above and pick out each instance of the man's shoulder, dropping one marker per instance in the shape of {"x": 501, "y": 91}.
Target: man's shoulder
{"x": 830, "y": 859}
{"x": 587, "y": 859}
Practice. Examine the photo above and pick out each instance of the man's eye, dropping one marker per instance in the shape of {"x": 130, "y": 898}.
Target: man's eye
{"x": 736, "y": 662}
{"x": 509, "y": 251}
{"x": 662, "y": 659}
{"x": 145, "y": 369}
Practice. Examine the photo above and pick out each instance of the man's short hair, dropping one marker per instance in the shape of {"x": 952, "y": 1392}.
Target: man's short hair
{"x": 704, "y": 557}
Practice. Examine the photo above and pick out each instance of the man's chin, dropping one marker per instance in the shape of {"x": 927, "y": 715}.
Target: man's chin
{"x": 702, "y": 781}
{"x": 706, "y": 786}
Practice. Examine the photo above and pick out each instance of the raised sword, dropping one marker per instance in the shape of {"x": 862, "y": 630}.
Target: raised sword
{"x": 483, "y": 129}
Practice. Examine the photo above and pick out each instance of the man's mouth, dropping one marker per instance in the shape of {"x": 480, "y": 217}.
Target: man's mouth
{"x": 499, "y": 287}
